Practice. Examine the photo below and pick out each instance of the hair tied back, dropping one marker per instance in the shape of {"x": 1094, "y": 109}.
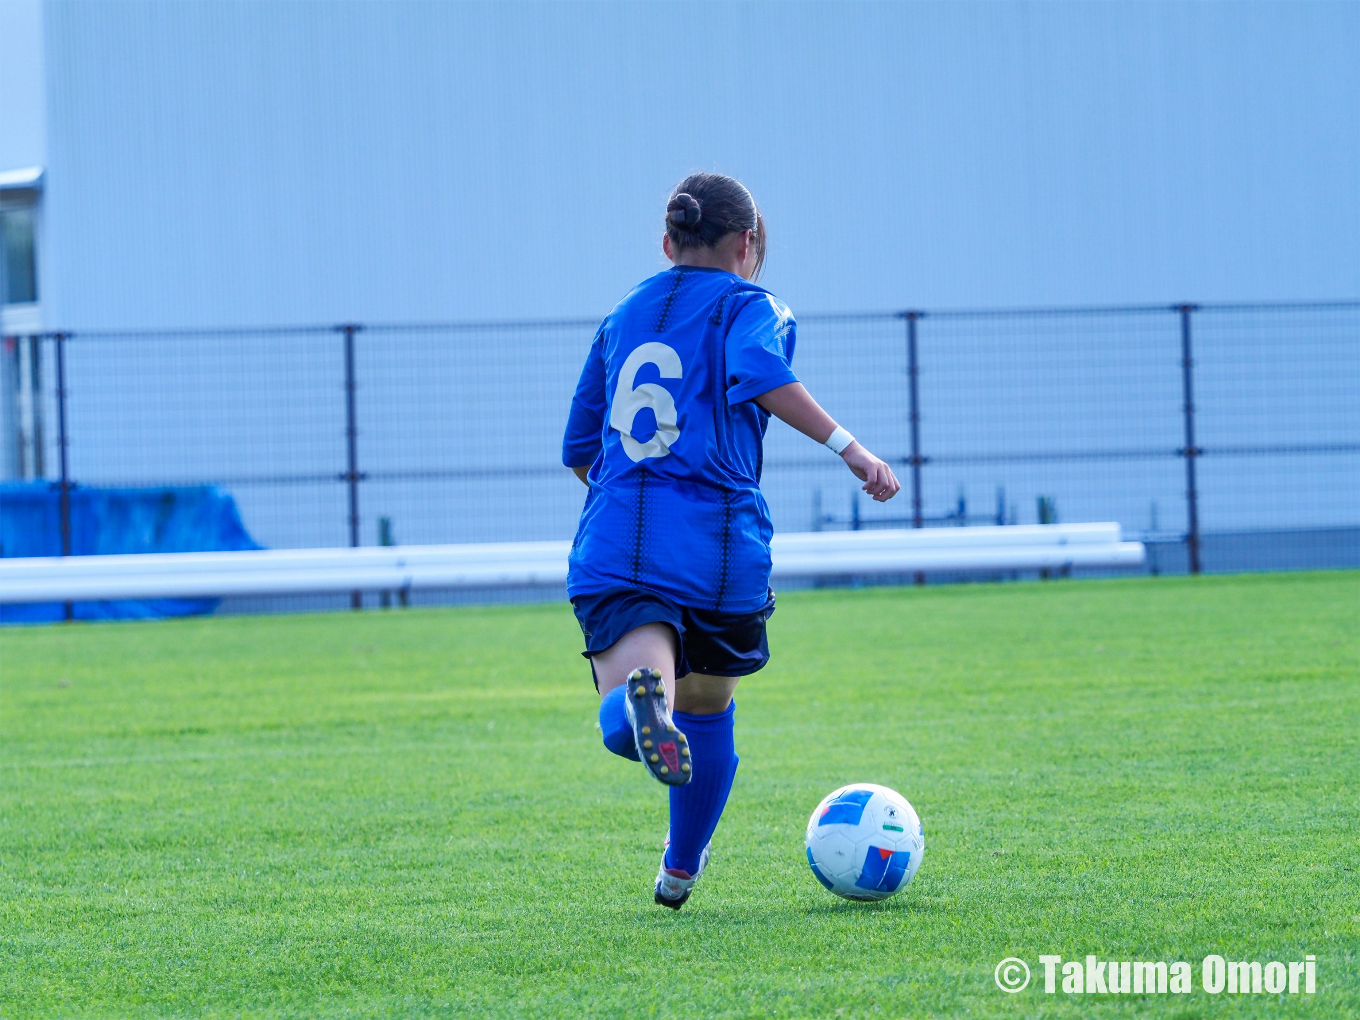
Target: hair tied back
{"x": 683, "y": 212}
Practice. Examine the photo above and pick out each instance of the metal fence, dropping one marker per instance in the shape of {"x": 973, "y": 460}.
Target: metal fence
{"x": 1225, "y": 436}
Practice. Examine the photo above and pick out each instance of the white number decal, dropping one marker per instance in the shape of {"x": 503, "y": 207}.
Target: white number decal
{"x": 629, "y": 400}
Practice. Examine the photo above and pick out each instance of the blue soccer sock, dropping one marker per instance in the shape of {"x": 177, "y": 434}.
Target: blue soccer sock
{"x": 618, "y": 734}
{"x": 697, "y": 806}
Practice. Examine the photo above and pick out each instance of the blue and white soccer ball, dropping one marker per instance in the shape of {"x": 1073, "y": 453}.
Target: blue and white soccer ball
{"x": 864, "y": 842}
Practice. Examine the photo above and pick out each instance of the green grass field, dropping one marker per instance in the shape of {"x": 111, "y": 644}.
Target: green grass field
{"x": 409, "y": 813}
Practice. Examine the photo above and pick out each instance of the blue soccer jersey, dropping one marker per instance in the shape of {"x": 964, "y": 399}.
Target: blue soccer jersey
{"x": 665, "y": 416}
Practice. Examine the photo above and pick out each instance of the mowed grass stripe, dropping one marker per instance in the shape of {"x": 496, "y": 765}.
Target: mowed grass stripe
{"x": 341, "y": 815}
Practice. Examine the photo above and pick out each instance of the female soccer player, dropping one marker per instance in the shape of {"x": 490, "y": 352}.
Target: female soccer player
{"x": 669, "y": 572}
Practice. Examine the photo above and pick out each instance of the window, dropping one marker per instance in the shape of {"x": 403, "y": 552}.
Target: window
{"x": 20, "y": 266}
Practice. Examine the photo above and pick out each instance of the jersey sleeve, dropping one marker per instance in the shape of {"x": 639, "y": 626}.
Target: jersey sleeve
{"x": 585, "y": 423}
{"x": 759, "y": 349}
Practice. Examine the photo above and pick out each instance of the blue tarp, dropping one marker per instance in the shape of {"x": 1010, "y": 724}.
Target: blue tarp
{"x": 105, "y": 521}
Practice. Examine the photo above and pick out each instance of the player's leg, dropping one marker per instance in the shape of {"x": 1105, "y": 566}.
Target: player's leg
{"x": 636, "y": 678}
{"x": 706, "y": 713}
{"x": 701, "y": 694}
{"x": 625, "y": 630}
{"x": 721, "y": 648}
{"x": 652, "y": 645}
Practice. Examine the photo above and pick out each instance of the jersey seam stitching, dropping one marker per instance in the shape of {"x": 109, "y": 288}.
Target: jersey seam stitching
{"x": 666, "y": 306}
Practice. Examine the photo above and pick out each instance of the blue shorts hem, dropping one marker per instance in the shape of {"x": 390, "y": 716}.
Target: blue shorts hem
{"x": 718, "y": 644}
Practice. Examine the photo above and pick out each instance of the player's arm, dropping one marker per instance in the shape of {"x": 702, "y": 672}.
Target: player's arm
{"x": 585, "y": 424}
{"x": 793, "y": 404}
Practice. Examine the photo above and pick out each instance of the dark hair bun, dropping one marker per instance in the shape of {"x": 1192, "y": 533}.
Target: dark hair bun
{"x": 683, "y": 212}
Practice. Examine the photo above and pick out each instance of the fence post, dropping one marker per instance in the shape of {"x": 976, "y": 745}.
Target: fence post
{"x": 913, "y": 373}
{"x": 351, "y": 475}
{"x": 1190, "y": 451}
{"x": 65, "y": 483}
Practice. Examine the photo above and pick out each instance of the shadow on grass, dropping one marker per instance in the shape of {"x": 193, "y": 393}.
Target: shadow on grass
{"x": 836, "y": 907}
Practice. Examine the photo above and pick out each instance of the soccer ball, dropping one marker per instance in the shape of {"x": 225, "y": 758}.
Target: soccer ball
{"x": 864, "y": 842}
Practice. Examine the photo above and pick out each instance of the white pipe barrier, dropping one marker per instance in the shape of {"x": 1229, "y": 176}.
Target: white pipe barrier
{"x": 394, "y": 568}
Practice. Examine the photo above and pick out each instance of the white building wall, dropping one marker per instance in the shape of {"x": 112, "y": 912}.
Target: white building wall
{"x": 244, "y": 163}
{"x": 22, "y": 114}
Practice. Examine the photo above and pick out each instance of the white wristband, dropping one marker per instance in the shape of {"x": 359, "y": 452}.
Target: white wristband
{"x": 839, "y": 441}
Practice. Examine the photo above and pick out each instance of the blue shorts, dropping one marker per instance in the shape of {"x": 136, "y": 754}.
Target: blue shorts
{"x": 719, "y": 644}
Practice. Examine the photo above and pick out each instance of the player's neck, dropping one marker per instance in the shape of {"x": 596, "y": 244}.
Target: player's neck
{"x": 708, "y": 258}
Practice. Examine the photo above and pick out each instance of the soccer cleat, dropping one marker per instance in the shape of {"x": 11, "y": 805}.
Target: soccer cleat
{"x": 648, "y": 715}
{"x": 673, "y": 886}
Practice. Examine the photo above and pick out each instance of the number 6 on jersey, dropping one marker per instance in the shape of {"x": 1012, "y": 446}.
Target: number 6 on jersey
{"x": 629, "y": 400}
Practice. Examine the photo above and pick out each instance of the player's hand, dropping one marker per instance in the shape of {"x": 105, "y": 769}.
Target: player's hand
{"x": 879, "y": 480}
